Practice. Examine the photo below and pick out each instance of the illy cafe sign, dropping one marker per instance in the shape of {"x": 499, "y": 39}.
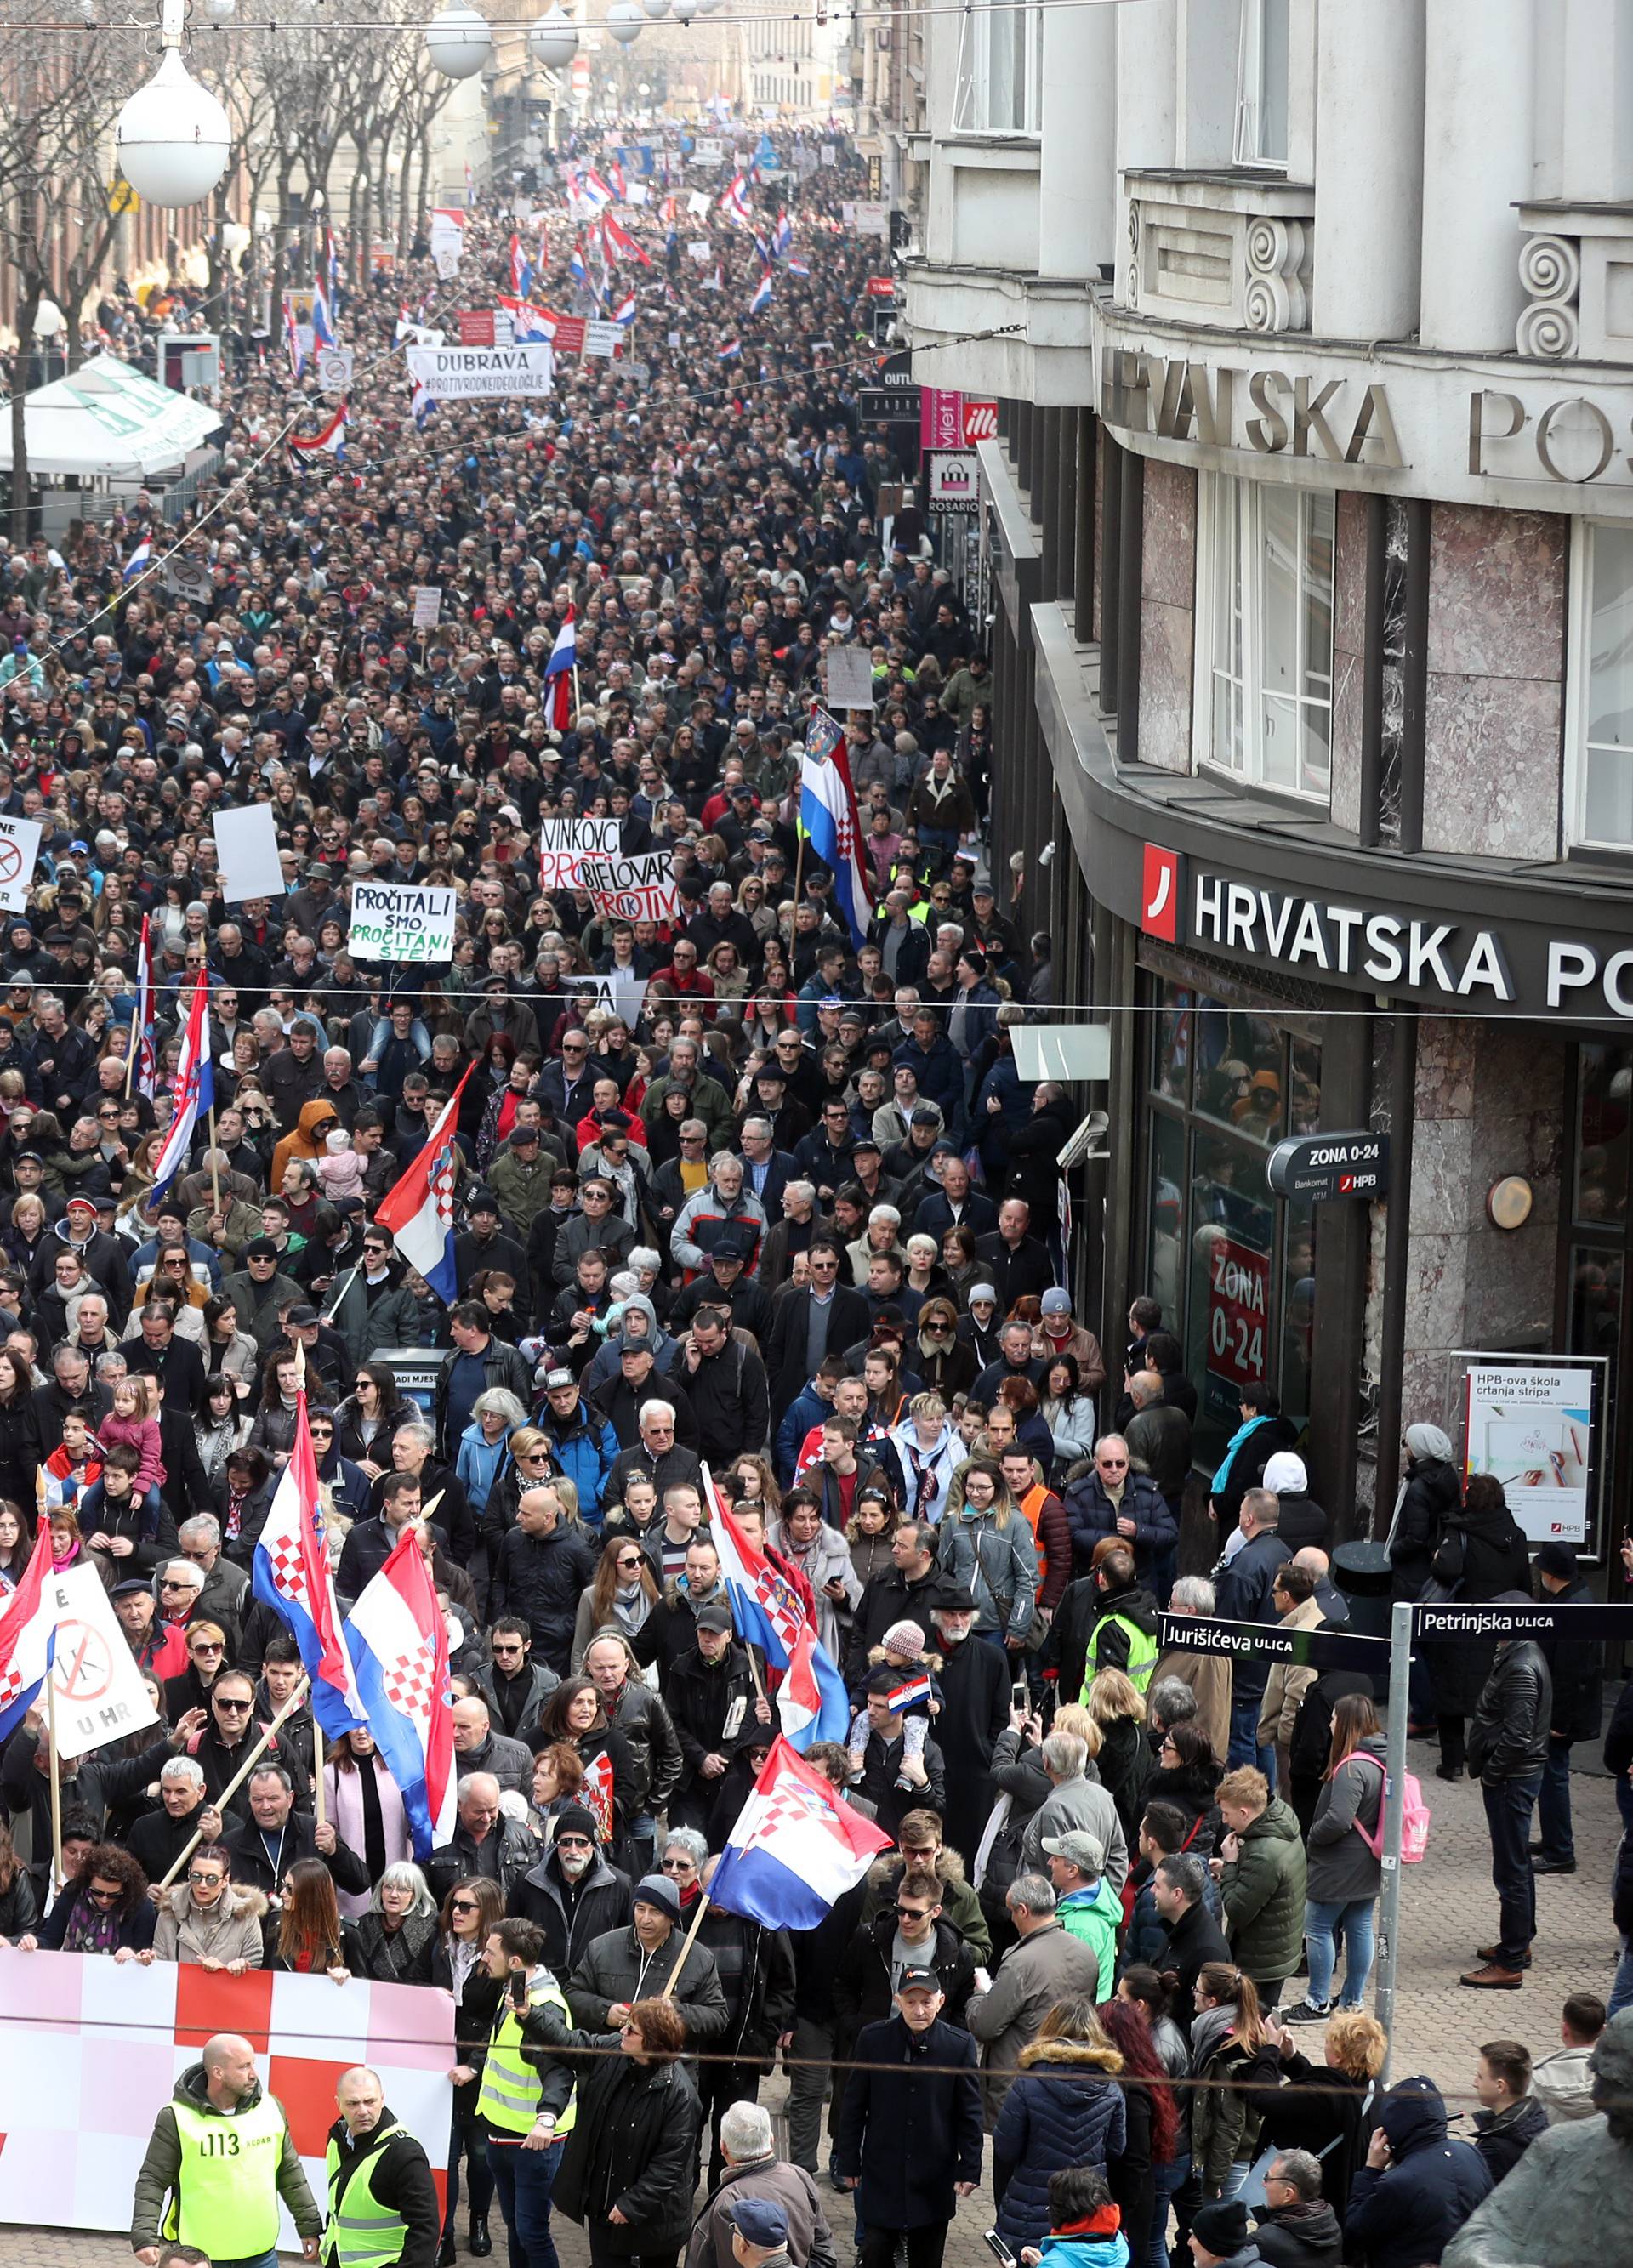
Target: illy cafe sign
{"x": 1472, "y": 961}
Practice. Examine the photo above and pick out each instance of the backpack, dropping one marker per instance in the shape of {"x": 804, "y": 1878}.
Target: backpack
{"x": 1414, "y": 1819}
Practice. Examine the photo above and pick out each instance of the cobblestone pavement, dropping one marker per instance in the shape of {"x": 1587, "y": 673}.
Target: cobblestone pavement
{"x": 1449, "y": 1908}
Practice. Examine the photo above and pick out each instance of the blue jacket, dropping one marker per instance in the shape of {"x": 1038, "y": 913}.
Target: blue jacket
{"x": 1085, "y": 2251}
{"x": 1069, "y": 2113}
{"x": 586, "y": 1452}
{"x": 805, "y": 1411}
{"x": 1405, "y": 2216}
{"x": 478, "y": 1465}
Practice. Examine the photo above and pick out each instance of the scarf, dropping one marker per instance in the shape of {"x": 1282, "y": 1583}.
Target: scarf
{"x": 373, "y": 1827}
{"x": 1104, "y": 2220}
{"x": 91, "y": 1929}
{"x": 1221, "y": 1472}
{"x": 235, "y": 1503}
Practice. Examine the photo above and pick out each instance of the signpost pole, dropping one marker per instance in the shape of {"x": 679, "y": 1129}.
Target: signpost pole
{"x": 1394, "y": 1815}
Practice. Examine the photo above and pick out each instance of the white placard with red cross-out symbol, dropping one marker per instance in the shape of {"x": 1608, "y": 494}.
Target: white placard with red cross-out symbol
{"x": 20, "y": 850}
{"x": 99, "y": 1693}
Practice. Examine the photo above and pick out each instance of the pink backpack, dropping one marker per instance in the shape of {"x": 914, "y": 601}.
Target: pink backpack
{"x": 1413, "y": 1821}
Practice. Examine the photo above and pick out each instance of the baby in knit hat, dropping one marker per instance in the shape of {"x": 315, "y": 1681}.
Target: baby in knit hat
{"x": 903, "y": 1653}
{"x": 340, "y": 1169}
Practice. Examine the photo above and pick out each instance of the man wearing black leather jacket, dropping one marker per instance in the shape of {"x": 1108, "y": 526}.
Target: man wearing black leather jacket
{"x": 1507, "y": 1749}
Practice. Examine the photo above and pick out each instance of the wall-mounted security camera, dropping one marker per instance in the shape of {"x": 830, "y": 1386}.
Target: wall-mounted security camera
{"x": 1045, "y": 856}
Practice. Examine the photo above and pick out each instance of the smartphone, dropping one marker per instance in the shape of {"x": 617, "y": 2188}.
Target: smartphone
{"x": 1021, "y": 1694}
{"x": 519, "y": 1989}
{"x": 999, "y": 2249}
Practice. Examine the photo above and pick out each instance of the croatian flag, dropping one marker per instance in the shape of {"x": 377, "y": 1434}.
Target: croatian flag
{"x": 328, "y": 441}
{"x": 530, "y": 326}
{"x": 593, "y": 190}
{"x": 398, "y": 1642}
{"x": 423, "y": 402}
{"x": 762, "y": 296}
{"x": 558, "y": 670}
{"x": 28, "y": 1639}
{"x": 291, "y": 337}
{"x": 735, "y": 203}
{"x": 578, "y": 267}
{"x": 620, "y": 187}
{"x": 620, "y": 243}
{"x": 811, "y": 1699}
{"x": 596, "y": 1791}
{"x": 292, "y": 1575}
{"x": 916, "y": 1689}
{"x": 139, "y": 560}
{"x": 194, "y": 1090}
{"x": 829, "y": 817}
{"x": 331, "y": 258}
{"x": 520, "y": 270}
{"x": 732, "y": 352}
{"x": 323, "y": 322}
{"x": 796, "y": 266}
{"x": 142, "y": 1033}
{"x": 796, "y": 1848}
{"x": 782, "y": 236}
{"x": 418, "y": 1209}
{"x": 624, "y": 311}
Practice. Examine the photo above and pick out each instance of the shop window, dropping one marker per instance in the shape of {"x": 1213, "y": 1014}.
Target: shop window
{"x": 1604, "y": 1111}
{"x": 1233, "y": 1267}
{"x": 1000, "y": 72}
{"x": 1264, "y": 616}
{"x": 1599, "y": 695}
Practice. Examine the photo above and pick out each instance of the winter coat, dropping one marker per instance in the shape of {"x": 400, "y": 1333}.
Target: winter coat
{"x": 1339, "y": 1864}
{"x": 161, "y": 2167}
{"x": 1085, "y": 1636}
{"x": 976, "y": 1683}
{"x": 1244, "y": 1469}
{"x": 649, "y": 1730}
{"x": 345, "y": 1808}
{"x": 586, "y": 1450}
{"x": 1078, "y": 1803}
{"x": 711, "y": 1704}
{"x": 1508, "y": 1738}
{"x": 825, "y": 1560}
{"x": 1433, "y": 1493}
{"x": 1125, "y": 1764}
{"x": 1094, "y": 1915}
{"x": 1091, "y": 1515}
{"x": 19, "y": 1910}
{"x": 862, "y": 1988}
{"x": 960, "y": 1905}
{"x": 1242, "y": 1595}
{"x": 601, "y": 1904}
{"x": 1319, "y": 2109}
{"x": 997, "y": 1565}
{"x": 615, "y": 1967}
{"x": 790, "y": 2188}
{"x": 1263, "y": 1889}
{"x": 1578, "y": 1668}
{"x": 1302, "y": 2235}
{"x": 1070, "y": 2112}
{"x": 400, "y": 1956}
{"x": 1478, "y": 1557}
{"x": 501, "y": 1365}
{"x": 228, "y": 1930}
{"x": 1405, "y": 2215}
{"x": 1503, "y": 2136}
{"x": 1224, "y": 2126}
{"x": 633, "y": 2145}
{"x": 540, "y": 1578}
{"x": 1288, "y": 1681}
{"x": 755, "y": 1969}
{"x": 1044, "y": 1966}
{"x": 909, "y": 2125}
{"x": 1563, "y": 2085}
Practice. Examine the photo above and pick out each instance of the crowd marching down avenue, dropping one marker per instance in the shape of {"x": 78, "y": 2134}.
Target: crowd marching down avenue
{"x": 548, "y": 1329}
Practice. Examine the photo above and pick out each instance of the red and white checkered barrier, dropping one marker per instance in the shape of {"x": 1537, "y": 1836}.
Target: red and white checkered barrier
{"x": 91, "y": 2048}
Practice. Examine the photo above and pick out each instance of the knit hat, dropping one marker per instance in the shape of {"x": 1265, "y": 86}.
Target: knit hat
{"x": 1285, "y": 1474}
{"x": 657, "y": 1891}
{"x": 980, "y": 1292}
{"x": 904, "y": 1641}
{"x": 1558, "y": 1560}
{"x": 1221, "y": 2230}
{"x": 577, "y": 1819}
{"x": 1428, "y": 1441}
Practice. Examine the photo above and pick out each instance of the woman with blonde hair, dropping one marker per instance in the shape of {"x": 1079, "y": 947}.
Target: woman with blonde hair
{"x": 1233, "y": 2055}
{"x": 1126, "y": 1763}
{"x": 1323, "y": 2108}
{"x": 1063, "y": 2109}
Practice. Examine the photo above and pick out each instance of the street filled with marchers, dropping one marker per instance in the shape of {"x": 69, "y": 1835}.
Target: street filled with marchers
{"x": 780, "y": 1557}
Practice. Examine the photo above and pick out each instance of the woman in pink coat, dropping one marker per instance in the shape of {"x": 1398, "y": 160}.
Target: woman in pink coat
{"x": 365, "y": 1811}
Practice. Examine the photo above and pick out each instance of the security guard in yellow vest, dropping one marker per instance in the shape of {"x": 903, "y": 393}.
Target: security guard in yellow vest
{"x": 382, "y": 2201}
{"x": 527, "y": 2101}
{"x": 220, "y": 2157}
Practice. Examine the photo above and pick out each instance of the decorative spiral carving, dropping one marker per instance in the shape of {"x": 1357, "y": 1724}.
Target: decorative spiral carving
{"x": 1267, "y": 304}
{"x": 1266, "y": 246}
{"x": 1134, "y": 284}
{"x": 1134, "y": 223}
{"x": 1548, "y": 328}
{"x": 1550, "y": 267}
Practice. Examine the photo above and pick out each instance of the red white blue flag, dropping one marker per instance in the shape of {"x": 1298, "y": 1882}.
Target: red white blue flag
{"x": 796, "y": 1848}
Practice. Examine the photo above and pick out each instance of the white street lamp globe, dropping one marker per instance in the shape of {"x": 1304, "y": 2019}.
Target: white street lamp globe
{"x": 684, "y": 10}
{"x": 49, "y": 320}
{"x": 220, "y": 12}
{"x": 554, "y": 40}
{"x": 709, "y": 6}
{"x": 458, "y": 42}
{"x": 657, "y": 10}
{"x": 174, "y": 139}
{"x": 623, "y": 21}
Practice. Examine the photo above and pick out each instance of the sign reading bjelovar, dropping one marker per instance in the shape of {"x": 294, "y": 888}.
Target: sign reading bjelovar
{"x": 1320, "y": 1167}
{"x": 641, "y": 888}
{"x": 398, "y": 921}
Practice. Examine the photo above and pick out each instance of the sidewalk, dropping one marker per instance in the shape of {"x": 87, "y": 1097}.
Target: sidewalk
{"x": 1448, "y": 1908}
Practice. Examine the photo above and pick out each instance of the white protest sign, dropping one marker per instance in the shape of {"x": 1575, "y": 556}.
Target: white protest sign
{"x": 401, "y": 922}
{"x": 335, "y": 366}
{"x": 603, "y": 338}
{"x": 638, "y": 193}
{"x": 641, "y": 888}
{"x": 565, "y": 844}
{"x": 20, "y": 848}
{"x": 187, "y": 578}
{"x": 447, "y": 261}
{"x": 428, "y": 606}
{"x": 848, "y": 670}
{"x": 247, "y": 853}
{"x": 482, "y": 374}
{"x": 447, "y": 242}
{"x": 707, "y": 152}
{"x": 99, "y": 1693}
{"x": 618, "y": 993}
{"x": 699, "y": 248}
{"x": 698, "y": 205}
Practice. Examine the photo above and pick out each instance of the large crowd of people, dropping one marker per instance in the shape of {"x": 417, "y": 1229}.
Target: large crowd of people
{"x": 744, "y": 1190}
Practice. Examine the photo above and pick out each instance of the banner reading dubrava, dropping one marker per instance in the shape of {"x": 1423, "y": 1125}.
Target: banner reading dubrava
{"x": 399, "y": 921}
{"x": 482, "y": 374}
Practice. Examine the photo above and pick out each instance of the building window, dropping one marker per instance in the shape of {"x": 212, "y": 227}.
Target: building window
{"x": 1233, "y": 1266}
{"x": 1264, "y": 616}
{"x": 1261, "y": 85}
{"x": 1600, "y": 732}
{"x": 1000, "y": 81}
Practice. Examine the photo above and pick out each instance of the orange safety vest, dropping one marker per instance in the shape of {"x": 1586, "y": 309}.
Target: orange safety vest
{"x": 1031, "y": 1505}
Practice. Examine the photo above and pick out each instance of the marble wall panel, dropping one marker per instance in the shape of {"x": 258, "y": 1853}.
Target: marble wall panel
{"x": 1491, "y": 765}
{"x": 1497, "y": 591}
{"x": 1167, "y": 636}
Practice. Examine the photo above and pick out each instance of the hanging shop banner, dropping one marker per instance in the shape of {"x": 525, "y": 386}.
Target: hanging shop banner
{"x": 632, "y": 889}
{"x": 1530, "y": 1426}
{"x": 399, "y": 921}
{"x": 91, "y": 2049}
{"x": 20, "y": 850}
{"x": 564, "y": 844}
{"x": 482, "y": 374}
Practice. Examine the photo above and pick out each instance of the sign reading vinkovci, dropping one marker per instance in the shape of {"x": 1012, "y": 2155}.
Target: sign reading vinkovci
{"x": 399, "y": 921}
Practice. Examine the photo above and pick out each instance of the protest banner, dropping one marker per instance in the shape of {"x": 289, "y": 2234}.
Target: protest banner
{"x": 401, "y": 922}
{"x": 632, "y": 889}
{"x": 484, "y": 373}
{"x": 565, "y": 844}
{"x": 91, "y": 2048}
{"x": 247, "y": 857}
{"x": 428, "y": 606}
{"x": 619, "y": 993}
{"x": 20, "y": 850}
{"x": 848, "y": 673}
{"x": 335, "y": 368}
{"x": 603, "y": 338}
{"x": 99, "y": 1693}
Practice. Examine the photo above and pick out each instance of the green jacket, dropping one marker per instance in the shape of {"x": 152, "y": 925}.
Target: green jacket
{"x": 1095, "y": 1916}
{"x": 523, "y": 1191}
{"x": 1263, "y": 1889}
{"x": 155, "y": 2183}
